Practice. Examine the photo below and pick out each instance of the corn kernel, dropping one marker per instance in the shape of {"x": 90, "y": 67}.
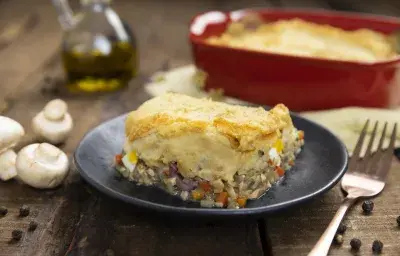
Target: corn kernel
{"x": 133, "y": 157}
{"x": 279, "y": 146}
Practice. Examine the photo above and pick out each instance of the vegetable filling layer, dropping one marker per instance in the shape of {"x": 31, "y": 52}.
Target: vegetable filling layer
{"x": 269, "y": 167}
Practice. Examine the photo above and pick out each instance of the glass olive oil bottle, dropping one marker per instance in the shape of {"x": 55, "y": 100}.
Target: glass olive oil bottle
{"x": 97, "y": 71}
{"x": 99, "y": 51}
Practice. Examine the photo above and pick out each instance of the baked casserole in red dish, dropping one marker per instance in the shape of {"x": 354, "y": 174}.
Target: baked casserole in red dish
{"x": 307, "y": 60}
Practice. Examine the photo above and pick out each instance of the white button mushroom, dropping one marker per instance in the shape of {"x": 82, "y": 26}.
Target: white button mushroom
{"x": 11, "y": 133}
{"x": 42, "y": 165}
{"x": 53, "y": 123}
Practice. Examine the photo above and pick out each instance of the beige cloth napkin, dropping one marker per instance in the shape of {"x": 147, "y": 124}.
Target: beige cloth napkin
{"x": 345, "y": 123}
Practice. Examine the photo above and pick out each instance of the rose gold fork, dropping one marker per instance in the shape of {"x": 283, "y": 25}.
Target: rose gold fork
{"x": 365, "y": 178}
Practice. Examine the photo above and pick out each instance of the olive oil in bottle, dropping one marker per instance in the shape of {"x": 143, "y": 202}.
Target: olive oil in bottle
{"x": 98, "y": 71}
{"x": 99, "y": 51}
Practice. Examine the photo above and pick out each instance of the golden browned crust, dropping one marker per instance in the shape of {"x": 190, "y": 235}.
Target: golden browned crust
{"x": 172, "y": 114}
{"x": 358, "y": 45}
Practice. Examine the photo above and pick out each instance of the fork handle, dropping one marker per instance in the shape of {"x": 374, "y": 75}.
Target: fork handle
{"x": 325, "y": 241}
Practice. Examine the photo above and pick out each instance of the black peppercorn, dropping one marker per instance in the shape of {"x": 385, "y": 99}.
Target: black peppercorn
{"x": 342, "y": 228}
{"x": 16, "y": 234}
{"x": 24, "y": 211}
{"x": 377, "y": 246}
{"x": 355, "y": 244}
{"x": 260, "y": 153}
{"x": 32, "y": 225}
{"x": 397, "y": 153}
{"x": 3, "y": 211}
{"x": 339, "y": 239}
{"x": 368, "y": 206}
{"x": 398, "y": 221}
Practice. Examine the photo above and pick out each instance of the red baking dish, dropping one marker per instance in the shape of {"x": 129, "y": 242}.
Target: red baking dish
{"x": 301, "y": 83}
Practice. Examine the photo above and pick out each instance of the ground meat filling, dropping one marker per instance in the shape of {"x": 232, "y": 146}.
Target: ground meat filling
{"x": 218, "y": 193}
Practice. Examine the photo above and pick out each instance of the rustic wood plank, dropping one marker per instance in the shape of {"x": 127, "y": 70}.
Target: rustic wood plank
{"x": 111, "y": 225}
{"x": 388, "y": 7}
{"x": 24, "y": 53}
{"x": 295, "y": 232}
{"x": 313, "y": 4}
{"x": 15, "y": 30}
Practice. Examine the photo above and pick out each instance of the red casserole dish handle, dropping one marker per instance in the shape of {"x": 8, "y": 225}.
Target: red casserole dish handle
{"x": 301, "y": 83}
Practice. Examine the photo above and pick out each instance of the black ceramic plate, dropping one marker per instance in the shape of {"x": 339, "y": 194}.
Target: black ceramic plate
{"x": 318, "y": 168}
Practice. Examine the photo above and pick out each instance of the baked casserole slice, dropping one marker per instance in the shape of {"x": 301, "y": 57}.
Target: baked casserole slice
{"x": 212, "y": 152}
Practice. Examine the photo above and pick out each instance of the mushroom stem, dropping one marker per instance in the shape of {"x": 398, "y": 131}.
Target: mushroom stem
{"x": 46, "y": 152}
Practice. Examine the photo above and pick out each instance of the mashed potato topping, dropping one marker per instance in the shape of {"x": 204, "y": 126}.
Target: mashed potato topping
{"x": 302, "y": 38}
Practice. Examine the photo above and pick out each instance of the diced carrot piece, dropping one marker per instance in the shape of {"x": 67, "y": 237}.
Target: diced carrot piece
{"x": 291, "y": 162}
{"x": 241, "y": 201}
{"x": 222, "y": 198}
{"x": 205, "y": 186}
{"x": 197, "y": 194}
{"x": 280, "y": 171}
{"x": 301, "y": 135}
{"x": 270, "y": 162}
{"x": 118, "y": 159}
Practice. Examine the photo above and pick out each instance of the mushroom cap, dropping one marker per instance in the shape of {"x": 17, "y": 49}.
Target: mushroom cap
{"x": 54, "y": 131}
{"x": 42, "y": 165}
{"x": 7, "y": 165}
{"x": 11, "y": 133}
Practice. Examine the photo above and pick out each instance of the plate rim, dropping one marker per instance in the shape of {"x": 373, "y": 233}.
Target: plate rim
{"x": 217, "y": 212}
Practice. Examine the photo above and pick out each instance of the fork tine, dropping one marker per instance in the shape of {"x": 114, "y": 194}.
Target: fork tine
{"x": 383, "y": 136}
{"x": 387, "y": 156}
{"x": 371, "y": 141}
{"x": 393, "y": 138}
{"x": 356, "y": 152}
{"x": 368, "y": 155}
{"x": 377, "y": 156}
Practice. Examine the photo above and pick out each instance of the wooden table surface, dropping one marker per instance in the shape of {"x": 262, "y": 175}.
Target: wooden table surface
{"x": 77, "y": 220}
